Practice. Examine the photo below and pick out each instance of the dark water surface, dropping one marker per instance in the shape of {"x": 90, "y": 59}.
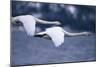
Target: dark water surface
{"x": 31, "y": 50}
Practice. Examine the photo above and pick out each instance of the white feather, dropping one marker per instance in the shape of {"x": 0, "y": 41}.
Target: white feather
{"x": 56, "y": 34}
{"x": 28, "y": 23}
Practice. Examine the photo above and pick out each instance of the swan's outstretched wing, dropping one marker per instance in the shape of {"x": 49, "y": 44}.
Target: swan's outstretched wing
{"x": 28, "y": 22}
{"x": 56, "y": 34}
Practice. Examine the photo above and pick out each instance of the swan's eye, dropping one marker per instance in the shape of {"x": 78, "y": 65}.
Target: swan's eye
{"x": 18, "y": 23}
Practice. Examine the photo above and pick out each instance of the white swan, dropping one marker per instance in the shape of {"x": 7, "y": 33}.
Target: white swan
{"x": 29, "y": 23}
{"x": 57, "y": 34}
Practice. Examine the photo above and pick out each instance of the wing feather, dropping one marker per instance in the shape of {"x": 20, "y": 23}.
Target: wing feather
{"x": 28, "y": 23}
{"x": 56, "y": 34}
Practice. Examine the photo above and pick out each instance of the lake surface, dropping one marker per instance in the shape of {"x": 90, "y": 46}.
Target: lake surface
{"x": 32, "y": 50}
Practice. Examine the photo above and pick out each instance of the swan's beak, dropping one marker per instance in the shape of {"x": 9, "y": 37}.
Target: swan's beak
{"x": 88, "y": 33}
{"x": 58, "y": 23}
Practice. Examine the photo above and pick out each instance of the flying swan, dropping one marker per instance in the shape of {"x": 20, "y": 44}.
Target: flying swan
{"x": 57, "y": 34}
{"x": 29, "y": 23}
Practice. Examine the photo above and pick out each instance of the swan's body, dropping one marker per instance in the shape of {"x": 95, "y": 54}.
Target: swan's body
{"x": 29, "y": 23}
{"x": 57, "y": 35}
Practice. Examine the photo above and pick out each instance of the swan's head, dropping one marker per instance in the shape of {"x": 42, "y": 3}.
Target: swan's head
{"x": 87, "y": 33}
{"x": 57, "y": 23}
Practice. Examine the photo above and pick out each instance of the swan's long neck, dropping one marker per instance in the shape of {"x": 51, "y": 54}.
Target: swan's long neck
{"x": 76, "y": 34}
{"x": 44, "y": 21}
